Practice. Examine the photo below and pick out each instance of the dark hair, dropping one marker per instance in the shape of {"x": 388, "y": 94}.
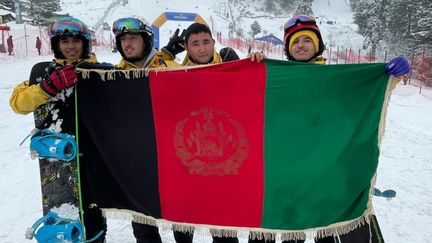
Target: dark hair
{"x": 58, "y": 54}
{"x": 148, "y": 42}
{"x": 196, "y": 28}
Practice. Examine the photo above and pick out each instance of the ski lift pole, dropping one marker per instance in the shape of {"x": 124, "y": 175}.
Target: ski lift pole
{"x": 337, "y": 55}
{"x": 346, "y": 54}
{"x": 412, "y": 65}
{"x": 358, "y": 59}
{"x": 422, "y": 70}
{"x": 25, "y": 39}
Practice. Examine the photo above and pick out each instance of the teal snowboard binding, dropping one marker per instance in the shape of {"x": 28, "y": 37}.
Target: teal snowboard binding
{"x": 49, "y": 144}
{"x": 53, "y": 229}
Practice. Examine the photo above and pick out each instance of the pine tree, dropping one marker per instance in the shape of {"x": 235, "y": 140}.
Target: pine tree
{"x": 400, "y": 21}
{"x": 287, "y": 4}
{"x": 42, "y": 8}
{"x": 422, "y": 28}
{"x": 372, "y": 22}
{"x": 304, "y": 8}
{"x": 354, "y": 5}
{"x": 269, "y": 6}
{"x": 255, "y": 29}
{"x": 7, "y": 5}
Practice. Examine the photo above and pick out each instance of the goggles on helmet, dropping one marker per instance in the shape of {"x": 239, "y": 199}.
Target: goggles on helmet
{"x": 69, "y": 26}
{"x": 130, "y": 25}
{"x": 303, "y": 19}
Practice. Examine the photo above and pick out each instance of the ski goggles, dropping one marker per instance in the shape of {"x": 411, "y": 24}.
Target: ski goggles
{"x": 68, "y": 27}
{"x": 303, "y": 19}
{"x": 124, "y": 25}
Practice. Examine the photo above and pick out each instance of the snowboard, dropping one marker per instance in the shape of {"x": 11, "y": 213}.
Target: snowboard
{"x": 59, "y": 179}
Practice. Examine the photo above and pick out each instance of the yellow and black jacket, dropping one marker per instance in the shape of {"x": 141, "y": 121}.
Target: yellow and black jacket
{"x": 216, "y": 59}
{"x": 26, "y": 98}
{"x": 158, "y": 60}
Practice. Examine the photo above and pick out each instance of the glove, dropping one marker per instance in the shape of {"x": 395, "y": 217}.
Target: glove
{"x": 398, "y": 66}
{"x": 175, "y": 44}
{"x": 60, "y": 78}
{"x": 228, "y": 54}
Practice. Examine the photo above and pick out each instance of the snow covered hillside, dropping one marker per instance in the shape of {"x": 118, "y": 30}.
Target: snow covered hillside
{"x": 340, "y": 33}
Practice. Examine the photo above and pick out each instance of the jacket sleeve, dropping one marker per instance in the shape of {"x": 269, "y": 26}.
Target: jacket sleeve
{"x": 164, "y": 56}
{"x": 26, "y": 99}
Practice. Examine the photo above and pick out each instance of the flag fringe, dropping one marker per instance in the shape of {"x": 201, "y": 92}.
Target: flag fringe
{"x": 343, "y": 228}
{"x": 393, "y": 81}
{"x": 112, "y": 74}
{"x": 253, "y": 233}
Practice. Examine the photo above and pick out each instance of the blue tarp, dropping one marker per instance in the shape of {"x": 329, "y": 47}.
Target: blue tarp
{"x": 271, "y": 38}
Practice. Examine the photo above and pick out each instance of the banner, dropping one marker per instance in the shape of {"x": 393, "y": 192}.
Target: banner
{"x": 274, "y": 146}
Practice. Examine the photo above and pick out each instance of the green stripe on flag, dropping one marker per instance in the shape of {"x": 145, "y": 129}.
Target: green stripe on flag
{"x": 320, "y": 142}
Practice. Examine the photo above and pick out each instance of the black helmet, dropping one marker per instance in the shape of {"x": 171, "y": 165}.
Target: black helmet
{"x": 69, "y": 26}
{"x": 133, "y": 25}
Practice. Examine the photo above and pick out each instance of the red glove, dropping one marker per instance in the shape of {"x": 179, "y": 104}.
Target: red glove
{"x": 61, "y": 78}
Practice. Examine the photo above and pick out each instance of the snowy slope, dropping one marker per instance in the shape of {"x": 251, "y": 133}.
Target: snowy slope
{"x": 340, "y": 34}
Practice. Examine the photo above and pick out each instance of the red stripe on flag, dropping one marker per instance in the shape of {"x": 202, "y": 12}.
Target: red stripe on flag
{"x": 209, "y": 133}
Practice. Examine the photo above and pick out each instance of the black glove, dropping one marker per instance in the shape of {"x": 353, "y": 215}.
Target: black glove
{"x": 175, "y": 44}
{"x": 228, "y": 54}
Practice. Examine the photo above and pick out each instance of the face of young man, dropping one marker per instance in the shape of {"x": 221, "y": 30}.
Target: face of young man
{"x": 132, "y": 45}
{"x": 303, "y": 48}
{"x": 200, "y": 47}
{"x": 71, "y": 47}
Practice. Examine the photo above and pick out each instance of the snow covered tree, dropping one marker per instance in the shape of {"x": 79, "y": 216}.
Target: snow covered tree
{"x": 372, "y": 22}
{"x": 400, "y": 20}
{"x": 304, "y": 8}
{"x": 354, "y": 5}
{"x": 41, "y": 8}
{"x": 7, "y": 5}
{"x": 422, "y": 27}
{"x": 255, "y": 29}
{"x": 269, "y": 6}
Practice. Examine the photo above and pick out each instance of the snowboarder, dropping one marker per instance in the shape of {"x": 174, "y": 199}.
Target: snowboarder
{"x": 134, "y": 42}
{"x": 46, "y": 95}
{"x": 199, "y": 44}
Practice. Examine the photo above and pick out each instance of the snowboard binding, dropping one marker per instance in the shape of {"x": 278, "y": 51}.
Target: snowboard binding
{"x": 56, "y": 230}
{"x": 49, "y": 144}
{"x": 388, "y": 194}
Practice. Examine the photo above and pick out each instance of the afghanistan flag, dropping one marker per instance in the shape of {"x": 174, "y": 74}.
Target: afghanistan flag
{"x": 274, "y": 146}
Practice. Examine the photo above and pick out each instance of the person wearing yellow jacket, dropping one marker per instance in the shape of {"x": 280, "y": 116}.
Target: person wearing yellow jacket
{"x": 197, "y": 40}
{"x": 199, "y": 44}
{"x": 26, "y": 98}
{"x": 303, "y": 43}
{"x": 71, "y": 44}
{"x": 134, "y": 42}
